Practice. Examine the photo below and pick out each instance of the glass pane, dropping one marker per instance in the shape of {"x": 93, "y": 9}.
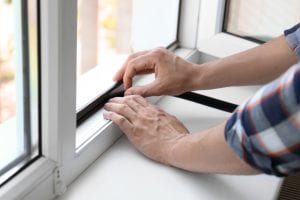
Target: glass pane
{"x": 103, "y": 43}
{"x": 154, "y": 23}
{"x": 18, "y": 86}
{"x": 109, "y": 30}
{"x": 261, "y": 19}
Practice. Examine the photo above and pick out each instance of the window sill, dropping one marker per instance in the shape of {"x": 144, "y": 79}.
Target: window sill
{"x": 133, "y": 176}
{"x": 224, "y": 44}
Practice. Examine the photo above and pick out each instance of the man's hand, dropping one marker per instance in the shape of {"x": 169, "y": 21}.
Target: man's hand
{"x": 163, "y": 138}
{"x": 173, "y": 75}
{"x": 151, "y": 130}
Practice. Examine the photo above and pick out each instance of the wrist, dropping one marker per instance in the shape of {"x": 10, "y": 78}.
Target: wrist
{"x": 173, "y": 149}
{"x": 197, "y": 79}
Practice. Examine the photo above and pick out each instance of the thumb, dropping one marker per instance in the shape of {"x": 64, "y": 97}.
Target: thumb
{"x": 150, "y": 89}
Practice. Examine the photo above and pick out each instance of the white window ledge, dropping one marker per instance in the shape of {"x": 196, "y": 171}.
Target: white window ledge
{"x": 224, "y": 44}
{"x": 123, "y": 173}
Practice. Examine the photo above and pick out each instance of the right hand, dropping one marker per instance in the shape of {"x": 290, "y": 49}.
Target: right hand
{"x": 173, "y": 75}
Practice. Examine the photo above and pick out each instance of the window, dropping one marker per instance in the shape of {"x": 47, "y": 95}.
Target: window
{"x": 261, "y": 20}
{"x": 19, "y": 94}
{"x": 67, "y": 149}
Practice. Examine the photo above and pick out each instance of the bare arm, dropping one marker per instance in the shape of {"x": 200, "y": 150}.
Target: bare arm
{"x": 255, "y": 66}
{"x": 207, "y": 152}
{"x": 258, "y": 65}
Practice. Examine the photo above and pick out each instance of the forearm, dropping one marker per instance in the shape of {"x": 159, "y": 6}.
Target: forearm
{"x": 258, "y": 65}
{"x": 207, "y": 152}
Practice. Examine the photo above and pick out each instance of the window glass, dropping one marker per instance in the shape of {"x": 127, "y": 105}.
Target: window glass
{"x": 109, "y": 30}
{"x": 155, "y": 23}
{"x": 18, "y": 85}
{"x": 261, "y": 19}
{"x": 103, "y": 43}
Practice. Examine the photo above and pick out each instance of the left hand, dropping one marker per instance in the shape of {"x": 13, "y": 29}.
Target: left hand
{"x": 151, "y": 130}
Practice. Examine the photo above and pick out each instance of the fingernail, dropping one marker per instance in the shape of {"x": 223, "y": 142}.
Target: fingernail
{"x": 105, "y": 106}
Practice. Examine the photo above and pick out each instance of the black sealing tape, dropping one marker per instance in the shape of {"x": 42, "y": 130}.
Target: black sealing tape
{"x": 118, "y": 91}
{"x": 208, "y": 101}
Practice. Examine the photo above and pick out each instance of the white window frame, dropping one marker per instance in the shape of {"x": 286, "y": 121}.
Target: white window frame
{"x": 211, "y": 39}
{"x": 201, "y": 29}
{"x": 61, "y": 164}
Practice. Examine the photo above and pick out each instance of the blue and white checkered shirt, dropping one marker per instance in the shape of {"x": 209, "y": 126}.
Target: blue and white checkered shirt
{"x": 265, "y": 130}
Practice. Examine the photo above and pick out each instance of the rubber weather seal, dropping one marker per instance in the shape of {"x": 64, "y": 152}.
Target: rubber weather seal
{"x": 118, "y": 91}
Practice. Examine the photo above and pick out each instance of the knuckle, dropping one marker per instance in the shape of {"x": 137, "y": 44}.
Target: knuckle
{"x": 161, "y": 113}
{"x": 126, "y": 100}
{"x": 135, "y": 131}
{"x": 134, "y": 97}
{"x": 123, "y": 108}
{"x": 150, "y": 111}
{"x": 108, "y": 114}
{"x": 129, "y": 97}
{"x": 161, "y": 49}
{"x": 122, "y": 120}
{"x": 133, "y": 56}
{"x": 131, "y": 69}
{"x": 159, "y": 52}
{"x": 131, "y": 63}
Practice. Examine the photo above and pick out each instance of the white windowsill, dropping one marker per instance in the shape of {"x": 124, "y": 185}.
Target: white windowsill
{"x": 223, "y": 44}
{"x": 123, "y": 173}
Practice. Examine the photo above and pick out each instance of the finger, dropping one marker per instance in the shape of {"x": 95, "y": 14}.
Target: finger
{"x": 120, "y": 73}
{"x": 151, "y": 89}
{"x": 129, "y": 101}
{"x": 120, "y": 120}
{"x": 141, "y": 100}
{"x": 137, "y": 65}
{"x": 121, "y": 109}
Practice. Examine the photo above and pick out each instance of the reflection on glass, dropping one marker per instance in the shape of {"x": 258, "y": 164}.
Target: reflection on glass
{"x": 8, "y": 133}
{"x": 18, "y": 85}
{"x": 261, "y": 19}
{"x": 154, "y": 24}
{"x": 7, "y": 69}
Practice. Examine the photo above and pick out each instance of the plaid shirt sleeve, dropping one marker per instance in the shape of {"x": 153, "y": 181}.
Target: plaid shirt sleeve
{"x": 265, "y": 130}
